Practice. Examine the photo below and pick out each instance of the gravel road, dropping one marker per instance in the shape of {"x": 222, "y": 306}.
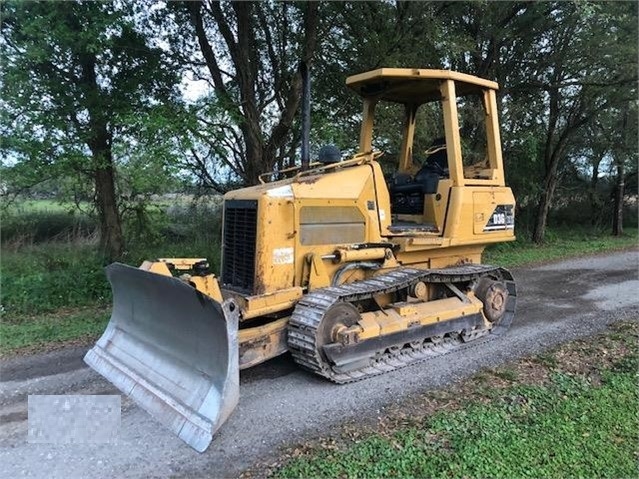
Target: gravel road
{"x": 280, "y": 403}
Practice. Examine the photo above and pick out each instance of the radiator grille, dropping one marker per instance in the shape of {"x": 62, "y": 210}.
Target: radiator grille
{"x": 238, "y": 261}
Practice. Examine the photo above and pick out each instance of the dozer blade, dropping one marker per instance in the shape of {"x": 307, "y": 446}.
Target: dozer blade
{"x": 173, "y": 350}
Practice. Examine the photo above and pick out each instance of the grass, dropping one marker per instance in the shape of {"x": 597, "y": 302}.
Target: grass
{"x": 53, "y": 286}
{"x": 48, "y": 263}
{"x": 34, "y": 226}
{"x": 560, "y": 243}
{"x": 575, "y": 418}
{"x": 43, "y": 278}
{"x": 44, "y": 331}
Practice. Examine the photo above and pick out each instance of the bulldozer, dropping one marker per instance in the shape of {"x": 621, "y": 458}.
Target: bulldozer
{"x": 351, "y": 269}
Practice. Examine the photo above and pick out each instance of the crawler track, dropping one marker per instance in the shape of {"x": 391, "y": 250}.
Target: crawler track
{"x": 309, "y": 312}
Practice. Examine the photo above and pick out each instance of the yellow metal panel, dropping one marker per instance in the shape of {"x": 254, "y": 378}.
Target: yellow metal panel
{"x": 208, "y": 285}
{"x": 435, "y": 206}
{"x": 412, "y": 85}
{"x": 451, "y": 127}
{"x": 366, "y": 134}
{"x": 260, "y": 305}
{"x": 275, "y": 254}
{"x": 406, "y": 150}
{"x": 353, "y": 188}
{"x": 370, "y": 327}
{"x": 314, "y": 273}
{"x": 427, "y": 241}
{"x": 483, "y": 206}
{"x": 494, "y": 140}
{"x": 401, "y": 315}
{"x": 346, "y": 183}
{"x": 157, "y": 267}
{"x": 382, "y": 208}
{"x": 389, "y": 321}
{"x": 484, "y": 203}
{"x": 454, "y": 224}
{"x": 258, "y": 344}
{"x": 435, "y": 256}
{"x": 456, "y": 256}
{"x": 405, "y": 309}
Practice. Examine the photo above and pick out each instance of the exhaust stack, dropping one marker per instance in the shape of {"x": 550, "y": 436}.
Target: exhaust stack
{"x": 306, "y": 115}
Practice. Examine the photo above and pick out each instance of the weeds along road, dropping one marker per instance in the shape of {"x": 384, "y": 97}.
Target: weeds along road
{"x": 281, "y": 403}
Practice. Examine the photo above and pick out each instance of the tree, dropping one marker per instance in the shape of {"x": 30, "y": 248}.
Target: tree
{"x": 364, "y": 36}
{"x": 249, "y": 52}
{"x": 561, "y": 65}
{"x": 74, "y": 74}
{"x": 624, "y": 152}
{"x": 561, "y": 92}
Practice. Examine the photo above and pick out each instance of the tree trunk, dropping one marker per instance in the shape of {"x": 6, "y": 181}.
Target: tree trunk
{"x": 550, "y": 182}
{"x": 254, "y": 147}
{"x": 617, "y": 217}
{"x": 111, "y": 237}
{"x": 620, "y": 186}
{"x": 595, "y": 203}
{"x": 99, "y": 142}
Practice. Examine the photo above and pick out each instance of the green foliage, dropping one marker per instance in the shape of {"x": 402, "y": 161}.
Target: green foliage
{"x": 579, "y": 56}
{"x": 83, "y": 86}
{"x": 50, "y": 53}
{"x": 249, "y": 52}
{"x": 569, "y": 428}
{"x": 48, "y": 277}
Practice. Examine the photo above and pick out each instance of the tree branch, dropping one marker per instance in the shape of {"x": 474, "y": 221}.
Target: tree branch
{"x": 205, "y": 47}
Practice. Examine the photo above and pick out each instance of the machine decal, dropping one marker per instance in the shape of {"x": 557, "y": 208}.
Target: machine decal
{"x": 283, "y": 256}
{"x": 503, "y": 218}
{"x": 281, "y": 192}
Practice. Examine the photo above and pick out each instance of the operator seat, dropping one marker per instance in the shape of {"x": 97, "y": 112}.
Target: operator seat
{"x": 407, "y": 191}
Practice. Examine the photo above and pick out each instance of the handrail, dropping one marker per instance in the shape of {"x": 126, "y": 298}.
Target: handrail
{"x": 285, "y": 170}
{"x": 317, "y": 167}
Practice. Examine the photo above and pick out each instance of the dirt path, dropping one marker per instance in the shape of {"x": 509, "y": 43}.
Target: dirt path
{"x": 280, "y": 403}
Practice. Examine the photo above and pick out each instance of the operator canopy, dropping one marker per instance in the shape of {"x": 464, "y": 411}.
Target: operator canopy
{"x": 414, "y": 86}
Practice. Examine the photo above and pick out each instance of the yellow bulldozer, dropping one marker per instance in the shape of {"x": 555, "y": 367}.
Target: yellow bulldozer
{"x": 354, "y": 270}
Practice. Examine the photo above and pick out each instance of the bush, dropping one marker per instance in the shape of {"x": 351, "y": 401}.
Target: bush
{"x": 50, "y": 276}
{"x": 40, "y": 276}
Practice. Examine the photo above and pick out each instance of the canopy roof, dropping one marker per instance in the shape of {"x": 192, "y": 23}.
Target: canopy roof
{"x": 411, "y": 85}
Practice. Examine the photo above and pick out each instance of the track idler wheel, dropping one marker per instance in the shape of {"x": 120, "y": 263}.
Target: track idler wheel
{"x": 339, "y": 317}
{"x": 494, "y": 295}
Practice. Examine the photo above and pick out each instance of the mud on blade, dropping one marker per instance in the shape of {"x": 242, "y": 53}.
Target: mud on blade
{"x": 173, "y": 350}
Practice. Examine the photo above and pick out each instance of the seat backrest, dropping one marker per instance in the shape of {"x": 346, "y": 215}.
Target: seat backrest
{"x": 428, "y": 178}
